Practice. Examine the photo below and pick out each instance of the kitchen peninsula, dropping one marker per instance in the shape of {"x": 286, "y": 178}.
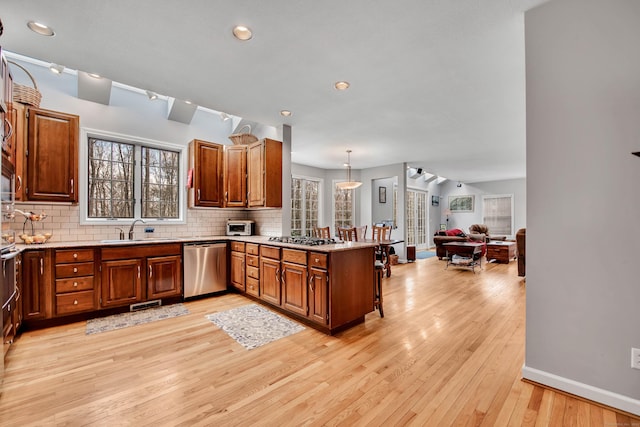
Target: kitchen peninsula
{"x": 328, "y": 287}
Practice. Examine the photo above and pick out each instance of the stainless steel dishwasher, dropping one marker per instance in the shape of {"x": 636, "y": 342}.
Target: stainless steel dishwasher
{"x": 205, "y": 268}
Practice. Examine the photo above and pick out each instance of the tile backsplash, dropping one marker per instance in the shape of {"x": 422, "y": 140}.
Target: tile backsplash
{"x": 63, "y": 221}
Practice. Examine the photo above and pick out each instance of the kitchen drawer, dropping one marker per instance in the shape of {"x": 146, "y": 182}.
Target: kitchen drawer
{"x": 74, "y": 285}
{"x": 253, "y": 261}
{"x": 66, "y": 256}
{"x": 253, "y": 286}
{"x": 74, "y": 270}
{"x": 318, "y": 260}
{"x": 294, "y": 256}
{"x": 253, "y": 249}
{"x": 253, "y": 272}
{"x": 237, "y": 246}
{"x": 270, "y": 252}
{"x": 74, "y": 302}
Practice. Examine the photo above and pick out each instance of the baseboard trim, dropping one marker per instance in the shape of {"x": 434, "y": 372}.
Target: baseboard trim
{"x": 595, "y": 394}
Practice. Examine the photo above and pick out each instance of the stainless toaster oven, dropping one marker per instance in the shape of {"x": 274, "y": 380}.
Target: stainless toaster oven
{"x": 240, "y": 227}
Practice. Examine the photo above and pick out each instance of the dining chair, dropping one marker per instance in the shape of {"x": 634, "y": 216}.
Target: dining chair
{"x": 361, "y": 233}
{"x": 348, "y": 234}
{"x": 322, "y": 232}
{"x": 380, "y": 233}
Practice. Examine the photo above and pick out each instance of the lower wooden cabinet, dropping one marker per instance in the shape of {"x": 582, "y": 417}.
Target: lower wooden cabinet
{"x": 34, "y": 285}
{"x": 318, "y": 297}
{"x": 237, "y": 263}
{"x": 74, "y": 281}
{"x": 270, "y": 280}
{"x": 294, "y": 281}
{"x": 163, "y": 280}
{"x": 121, "y": 282}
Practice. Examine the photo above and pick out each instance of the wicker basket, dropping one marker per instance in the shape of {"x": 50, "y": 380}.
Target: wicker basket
{"x": 26, "y": 94}
{"x": 243, "y": 138}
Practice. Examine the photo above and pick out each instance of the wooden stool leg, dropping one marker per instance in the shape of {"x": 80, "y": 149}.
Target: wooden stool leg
{"x": 377, "y": 290}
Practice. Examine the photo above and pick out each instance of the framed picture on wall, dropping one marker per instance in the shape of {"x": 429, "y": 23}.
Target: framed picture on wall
{"x": 435, "y": 201}
{"x": 461, "y": 203}
{"x": 382, "y": 194}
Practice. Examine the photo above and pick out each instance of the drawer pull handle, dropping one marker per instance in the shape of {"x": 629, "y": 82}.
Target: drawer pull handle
{"x": 75, "y": 255}
{"x": 317, "y": 259}
{"x": 75, "y": 270}
{"x": 75, "y": 302}
{"x": 75, "y": 284}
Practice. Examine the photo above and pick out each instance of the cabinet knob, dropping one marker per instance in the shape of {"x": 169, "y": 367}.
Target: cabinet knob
{"x": 75, "y": 255}
{"x": 75, "y": 302}
{"x": 75, "y": 269}
{"x": 75, "y": 284}
{"x": 317, "y": 259}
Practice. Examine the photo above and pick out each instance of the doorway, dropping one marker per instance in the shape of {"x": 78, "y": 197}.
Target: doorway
{"x": 417, "y": 219}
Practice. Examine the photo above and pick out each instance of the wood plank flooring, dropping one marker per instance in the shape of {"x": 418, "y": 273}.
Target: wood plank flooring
{"x": 448, "y": 352}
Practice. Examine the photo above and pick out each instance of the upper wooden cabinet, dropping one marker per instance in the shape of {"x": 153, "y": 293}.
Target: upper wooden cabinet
{"x": 235, "y": 176}
{"x": 205, "y": 161}
{"x": 46, "y": 160}
{"x": 264, "y": 174}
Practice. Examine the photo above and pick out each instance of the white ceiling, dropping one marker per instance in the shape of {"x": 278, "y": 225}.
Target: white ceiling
{"x": 436, "y": 83}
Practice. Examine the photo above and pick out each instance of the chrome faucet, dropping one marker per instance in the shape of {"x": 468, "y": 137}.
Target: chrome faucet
{"x": 131, "y": 229}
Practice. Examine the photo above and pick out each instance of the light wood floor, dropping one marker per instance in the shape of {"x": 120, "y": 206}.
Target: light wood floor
{"x": 448, "y": 352}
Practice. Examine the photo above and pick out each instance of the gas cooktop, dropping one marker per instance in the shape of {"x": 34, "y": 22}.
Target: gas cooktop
{"x": 303, "y": 240}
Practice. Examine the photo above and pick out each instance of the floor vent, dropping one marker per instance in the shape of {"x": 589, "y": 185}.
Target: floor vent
{"x": 143, "y": 305}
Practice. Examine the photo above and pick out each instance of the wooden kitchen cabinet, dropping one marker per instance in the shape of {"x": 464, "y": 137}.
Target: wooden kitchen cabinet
{"x": 34, "y": 285}
{"x": 121, "y": 282}
{"x": 270, "y": 274}
{"x": 264, "y": 174}
{"x": 294, "y": 281}
{"x": 137, "y": 273}
{"x": 74, "y": 281}
{"x": 318, "y": 297}
{"x": 237, "y": 263}
{"x": 163, "y": 280}
{"x": 252, "y": 262}
{"x": 235, "y": 176}
{"x": 51, "y": 156}
{"x": 206, "y": 164}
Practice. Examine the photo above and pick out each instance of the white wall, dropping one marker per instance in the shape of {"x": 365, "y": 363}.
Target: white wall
{"x": 583, "y": 233}
{"x": 462, "y": 220}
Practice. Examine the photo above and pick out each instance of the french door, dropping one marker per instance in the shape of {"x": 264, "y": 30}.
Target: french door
{"x": 417, "y": 219}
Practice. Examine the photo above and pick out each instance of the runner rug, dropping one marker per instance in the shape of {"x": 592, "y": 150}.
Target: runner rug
{"x": 253, "y": 326}
{"x": 124, "y": 320}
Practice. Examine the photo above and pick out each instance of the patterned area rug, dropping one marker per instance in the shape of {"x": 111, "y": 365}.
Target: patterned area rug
{"x": 253, "y": 325}
{"x": 124, "y": 320}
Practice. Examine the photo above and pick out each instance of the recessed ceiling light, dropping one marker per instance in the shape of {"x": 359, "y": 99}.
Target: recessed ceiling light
{"x": 41, "y": 29}
{"x": 188, "y": 102}
{"x": 285, "y": 113}
{"x": 242, "y": 33}
{"x": 342, "y": 85}
{"x": 94, "y": 75}
{"x": 56, "y": 69}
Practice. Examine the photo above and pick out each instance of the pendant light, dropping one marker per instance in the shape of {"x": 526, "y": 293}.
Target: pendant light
{"x": 348, "y": 184}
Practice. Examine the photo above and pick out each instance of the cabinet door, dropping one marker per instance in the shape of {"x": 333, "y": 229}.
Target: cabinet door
{"x": 264, "y": 173}
{"x": 237, "y": 270}
{"x": 270, "y": 280}
{"x": 235, "y": 176}
{"x": 121, "y": 282}
{"x": 207, "y": 174}
{"x": 33, "y": 285}
{"x": 52, "y": 156}
{"x": 20, "y": 128}
{"x": 164, "y": 277}
{"x": 294, "y": 288}
{"x": 318, "y": 296}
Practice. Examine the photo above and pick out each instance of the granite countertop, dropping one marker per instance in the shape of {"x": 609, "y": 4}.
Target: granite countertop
{"x": 263, "y": 240}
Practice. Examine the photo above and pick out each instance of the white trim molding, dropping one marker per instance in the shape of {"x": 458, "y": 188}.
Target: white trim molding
{"x": 595, "y": 394}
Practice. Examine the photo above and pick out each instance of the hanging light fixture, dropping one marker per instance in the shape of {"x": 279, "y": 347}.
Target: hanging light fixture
{"x": 348, "y": 184}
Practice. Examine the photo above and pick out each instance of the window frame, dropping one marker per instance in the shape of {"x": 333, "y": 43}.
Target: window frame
{"x": 334, "y": 225}
{"x": 320, "y": 182}
{"x": 500, "y": 196}
{"x": 85, "y": 134}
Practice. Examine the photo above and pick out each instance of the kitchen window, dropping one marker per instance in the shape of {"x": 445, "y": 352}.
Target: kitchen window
{"x": 305, "y": 205}
{"x": 131, "y": 178}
